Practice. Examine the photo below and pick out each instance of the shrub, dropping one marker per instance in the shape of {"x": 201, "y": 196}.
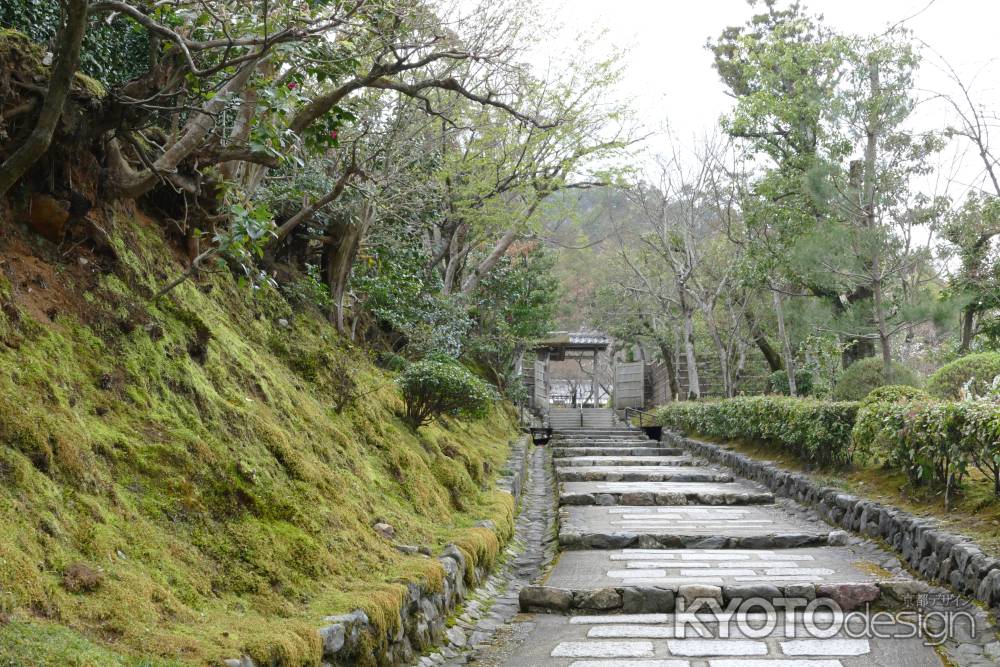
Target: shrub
{"x": 436, "y": 387}
{"x": 391, "y": 361}
{"x": 862, "y": 376}
{"x": 816, "y": 431}
{"x": 893, "y": 393}
{"x": 920, "y": 437}
{"x": 876, "y": 418}
{"x": 778, "y": 382}
{"x": 980, "y": 433}
{"x": 977, "y": 370}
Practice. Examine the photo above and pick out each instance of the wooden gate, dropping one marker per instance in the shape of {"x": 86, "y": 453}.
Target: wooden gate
{"x": 629, "y": 389}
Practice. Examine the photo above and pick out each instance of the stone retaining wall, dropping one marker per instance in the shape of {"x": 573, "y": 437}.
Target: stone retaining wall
{"x": 937, "y": 555}
{"x": 351, "y": 639}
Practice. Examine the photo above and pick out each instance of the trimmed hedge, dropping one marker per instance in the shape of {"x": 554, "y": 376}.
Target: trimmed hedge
{"x": 948, "y": 381}
{"x": 858, "y": 380}
{"x": 816, "y": 431}
{"x": 934, "y": 442}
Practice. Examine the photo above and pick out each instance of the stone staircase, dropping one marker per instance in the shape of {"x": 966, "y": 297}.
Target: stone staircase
{"x": 590, "y": 419}
{"x": 647, "y": 532}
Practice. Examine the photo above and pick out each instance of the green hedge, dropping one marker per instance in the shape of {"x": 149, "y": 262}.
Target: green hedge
{"x": 816, "y": 431}
{"x": 935, "y": 443}
{"x": 948, "y": 381}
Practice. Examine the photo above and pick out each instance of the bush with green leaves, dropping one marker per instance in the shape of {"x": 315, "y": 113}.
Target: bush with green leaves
{"x": 975, "y": 372}
{"x": 436, "y": 387}
{"x": 818, "y": 432}
{"x": 933, "y": 442}
{"x": 919, "y": 437}
{"x": 893, "y": 393}
{"x": 980, "y": 433}
{"x": 863, "y": 376}
{"x": 778, "y": 382}
{"x": 876, "y": 419}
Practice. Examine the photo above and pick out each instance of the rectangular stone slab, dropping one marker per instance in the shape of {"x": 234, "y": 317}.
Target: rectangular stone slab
{"x": 604, "y": 439}
{"x": 754, "y": 526}
{"x": 641, "y": 474}
{"x": 585, "y": 570}
{"x": 557, "y": 641}
{"x": 662, "y": 493}
{"x": 606, "y": 443}
{"x": 625, "y": 461}
{"x": 558, "y": 452}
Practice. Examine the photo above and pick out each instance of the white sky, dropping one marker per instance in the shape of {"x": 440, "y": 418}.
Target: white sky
{"x": 669, "y": 76}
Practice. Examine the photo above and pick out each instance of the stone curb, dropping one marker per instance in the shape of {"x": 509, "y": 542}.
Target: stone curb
{"x": 673, "y": 498}
{"x": 937, "y": 555}
{"x": 586, "y": 475}
{"x": 662, "y": 599}
{"x": 570, "y": 540}
{"x": 576, "y": 462}
{"x": 422, "y": 618}
{"x": 568, "y": 452}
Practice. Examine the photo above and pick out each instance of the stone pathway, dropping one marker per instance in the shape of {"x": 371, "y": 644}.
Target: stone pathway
{"x": 683, "y": 566}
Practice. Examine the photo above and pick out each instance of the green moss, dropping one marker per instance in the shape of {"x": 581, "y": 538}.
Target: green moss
{"x": 225, "y": 494}
{"x": 93, "y": 87}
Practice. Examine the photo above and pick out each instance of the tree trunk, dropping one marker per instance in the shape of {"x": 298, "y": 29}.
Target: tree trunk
{"x": 339, "y": 256}
{"x": 491, "y": 260}
{"x": 968, "y": 328}
{"x": 67, "y": 59}
{"x": 771, "y": 356}
{"x": 668, "y": 360}
{"x": 786, "y": 344}
{"x": 723, "y": 353}
{"x": 870, "y": 224}
{"x": 694, "y": 385}
{"x": 883, "y": 333}
{"x": 240, "y": 132}
{"x": 456, "y": 253}
{"x": 133, "y": 184}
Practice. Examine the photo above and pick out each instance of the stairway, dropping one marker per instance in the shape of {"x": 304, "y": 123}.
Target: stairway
{"x": 646, "y": 530}
{"x": 581, "y": 418}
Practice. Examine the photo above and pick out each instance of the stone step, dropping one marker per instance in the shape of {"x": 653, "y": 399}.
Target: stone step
{"x": 674, "y": 640}
{"x": 706, "y": 527}
{"x": 578, "y": 461}
{"x": 584, "y": 443}
{"x": 558, "y": 452}
{"x": 625, "y": 473}
{"x": 661, "y": 493}
{"x": 588, "y": 433}
{"x": 582, "y": 570}
{"x": 602, "y": 441}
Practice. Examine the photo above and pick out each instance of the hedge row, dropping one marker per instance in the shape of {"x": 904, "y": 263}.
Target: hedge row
{"x": 935, "y": 443}
{"x": 816, "y": 431}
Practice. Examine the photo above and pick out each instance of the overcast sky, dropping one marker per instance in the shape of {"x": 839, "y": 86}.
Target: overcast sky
{"x": 668, "y": 71}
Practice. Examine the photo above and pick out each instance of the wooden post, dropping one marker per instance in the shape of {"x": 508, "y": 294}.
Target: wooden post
{"x": 593, "y": 380}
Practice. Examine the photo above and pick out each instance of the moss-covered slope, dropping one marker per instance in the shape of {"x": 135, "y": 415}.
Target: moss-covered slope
{"x": 176, "y": 483}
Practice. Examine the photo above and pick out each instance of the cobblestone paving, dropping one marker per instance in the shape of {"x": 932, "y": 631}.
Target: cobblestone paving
{"x": 640, "y": 551}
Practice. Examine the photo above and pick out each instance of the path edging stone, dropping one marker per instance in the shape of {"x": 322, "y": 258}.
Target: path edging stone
{"x": 937, "y": 555}
{"x": 662, "y": 599}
